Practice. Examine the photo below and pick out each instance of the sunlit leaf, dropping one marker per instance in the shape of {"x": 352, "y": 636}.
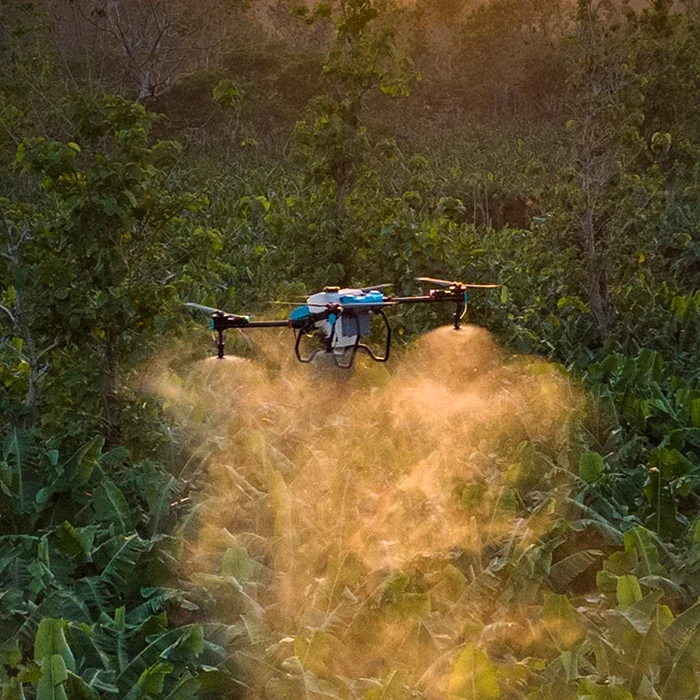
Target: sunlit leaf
{"x": 473, "y": 676}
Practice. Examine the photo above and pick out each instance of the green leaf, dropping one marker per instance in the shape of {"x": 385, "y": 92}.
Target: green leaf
{"x": 566, "y": 570}
{"x": 228, "y": 95}
{"x": 504, "y": 294}
{"x": 94, "y": 591}
{"x": 53, "y": 676}
{"x": 74, "y": 540}
{"x": 13, "y": 690}
{"x": 79, "y": 467}
{"x": 317, "y": 649}
{"x": 650, "y": 653}
{"x": 31, "y": 673}
{"x": 682, "y": 682}
{"x": 670, "y": 588}
{"x": 51, "y": 641}
{"x": 473, "y": 676}
{"x": 142, "y": 661}
{"x": 393, "y": 686}
{"x": 612, "y": 535}
{"x": 131, "y": 197}
{"x": 192, "y": 642}
{"x": 78, "y": 689}
{"x": 686, "y": 623}
{"x": 641, "y": 540}
{"x": 602, "y": 660}
{"x": 629, "y": 591}
{"x": 237, "y": 563}
{"x": 590, "y": 467}
{"x": 695, "y": 413}
{"x": 100, "y": 680}
{"x": 561, "y": 620}
{"x": 17, "y": 450}
{"x": 121, "y": 564}
{"x": 152, "y": 679}
{"x": 110, "y": 506}
{"x": 603, "y": 692}
{"x": 10, "y": 654}
{"x": 109, "y": 206}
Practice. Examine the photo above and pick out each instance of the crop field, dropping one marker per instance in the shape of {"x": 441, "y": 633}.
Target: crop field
{"x": 507, "y": 511}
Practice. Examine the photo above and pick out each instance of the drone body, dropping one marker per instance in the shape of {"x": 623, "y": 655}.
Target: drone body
{"x": 340, "y": 318}
{"x": 342, "y": 329}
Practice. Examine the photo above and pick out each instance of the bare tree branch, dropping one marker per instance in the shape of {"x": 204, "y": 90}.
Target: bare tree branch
{"x": 9, "y": 313}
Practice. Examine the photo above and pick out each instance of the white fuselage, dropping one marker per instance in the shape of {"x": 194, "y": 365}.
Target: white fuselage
{"x": 346, "y": 326}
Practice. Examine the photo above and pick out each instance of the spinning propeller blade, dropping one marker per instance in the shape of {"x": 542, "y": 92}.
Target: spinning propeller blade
{"x": 376, "y": 287}
{"x": 372, "y": 288}
{"x": 297, "y": 303}
{"x": 445, "y": 283}
{"x": 432, "y": 280}
{"x": 205, "y": 309}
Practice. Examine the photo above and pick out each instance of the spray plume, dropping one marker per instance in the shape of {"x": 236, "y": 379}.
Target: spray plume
{"x": 369, "y": 525}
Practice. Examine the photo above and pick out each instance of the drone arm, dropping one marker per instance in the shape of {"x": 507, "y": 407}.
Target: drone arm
{"x": 226, "y": 322}
{"x": 459, "y": 298}
{"x": 417, "y": 300}
{"x": 440, "y": 296}
{"x": 223, "y": 322}
{"x": 266, "y": 324}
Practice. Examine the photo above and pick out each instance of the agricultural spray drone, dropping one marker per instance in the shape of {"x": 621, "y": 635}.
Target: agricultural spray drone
{"x": 340, "y": 318}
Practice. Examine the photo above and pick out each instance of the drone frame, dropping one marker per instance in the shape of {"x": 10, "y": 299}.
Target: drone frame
{"x": 447, "y": 292}
{"x": 352, "y": 351}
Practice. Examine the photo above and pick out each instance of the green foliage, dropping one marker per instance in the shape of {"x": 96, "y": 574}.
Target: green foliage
{"x": 553, "y": 153}
{"x": 94, "y": 264}
{"x": 473, "y": 676}
{"x": 228, "y": 95}
{"x": 332, "y": 143}
{"x": 87, "y": 596}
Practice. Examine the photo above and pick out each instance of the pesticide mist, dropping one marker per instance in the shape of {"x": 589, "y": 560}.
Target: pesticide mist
{"x": 367, "y": 532}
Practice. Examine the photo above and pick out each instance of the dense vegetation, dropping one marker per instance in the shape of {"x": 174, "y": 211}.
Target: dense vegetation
{"x": 165, "y": 538}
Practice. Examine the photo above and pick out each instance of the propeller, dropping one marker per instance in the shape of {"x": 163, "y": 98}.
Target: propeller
{"x": 376, "y": 287}
{"x": 372, "y": 288}
{"x": 296, "y": 303}
{"x": 431, "y": 280}
{"x": 205, "y": 309}
{"x": 445, "y": 283}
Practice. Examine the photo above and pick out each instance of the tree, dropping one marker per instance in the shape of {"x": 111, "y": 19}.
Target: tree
{"x": 27, "y": 350}
{"x": 155, "y": 43}
{"x": 608, "y": 192}
{"x": 362, "y": 64}
{"x": 115, "y": 242}
{"x": 666, "y": 46}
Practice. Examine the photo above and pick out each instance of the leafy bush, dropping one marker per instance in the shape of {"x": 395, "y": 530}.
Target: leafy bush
{"x": 92, "y": 601}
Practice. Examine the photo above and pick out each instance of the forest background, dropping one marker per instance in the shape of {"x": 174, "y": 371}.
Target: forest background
{"x": 227, "y": 152}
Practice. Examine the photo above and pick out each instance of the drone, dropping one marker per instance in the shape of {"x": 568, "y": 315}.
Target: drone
{"x": 340, "y": 318}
